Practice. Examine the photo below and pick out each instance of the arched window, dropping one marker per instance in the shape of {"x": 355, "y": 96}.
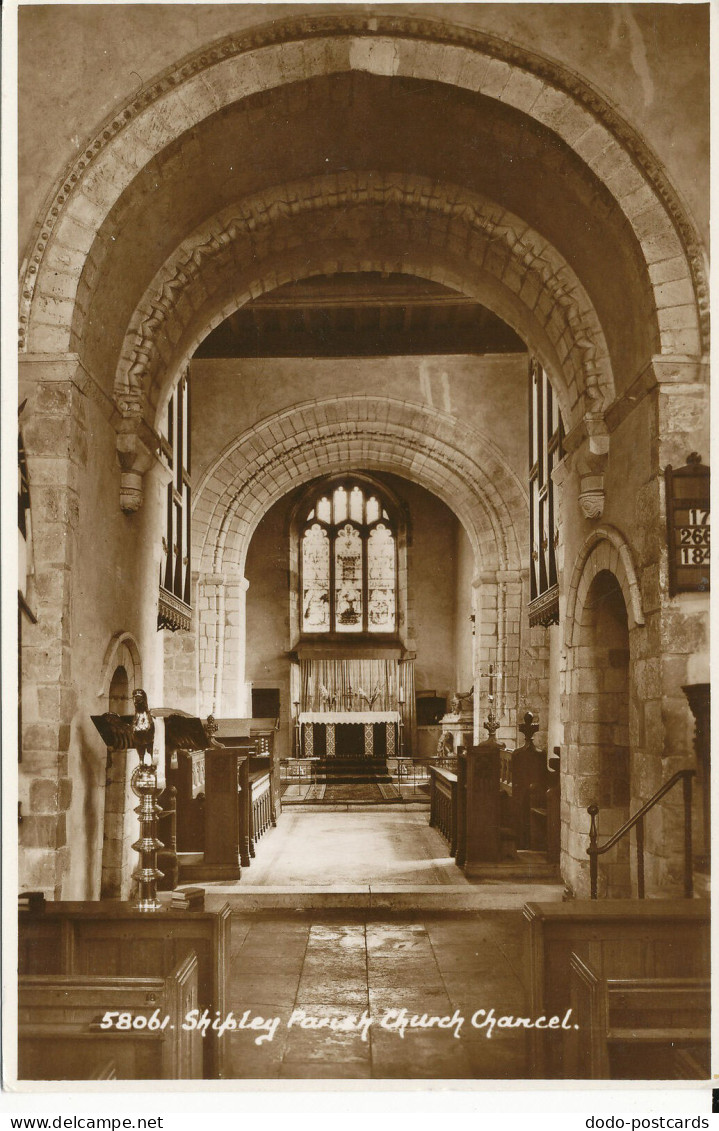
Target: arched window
{"x": 348, "y": 562}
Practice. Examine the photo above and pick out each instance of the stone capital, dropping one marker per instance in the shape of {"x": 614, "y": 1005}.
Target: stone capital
{"x": 138, "y": 448}
{"x": 591, "y": 467}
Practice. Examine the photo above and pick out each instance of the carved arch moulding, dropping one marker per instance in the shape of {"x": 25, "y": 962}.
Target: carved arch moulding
{"x": 122, "y": 650}
{"x": 559, "y": 316}
{"x": 605, "y": 548}
{"x": 453, "y": 460}
{"x": 323, "y": 43}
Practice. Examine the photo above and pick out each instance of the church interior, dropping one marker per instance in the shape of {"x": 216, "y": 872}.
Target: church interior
{"x": 364, "y": 541}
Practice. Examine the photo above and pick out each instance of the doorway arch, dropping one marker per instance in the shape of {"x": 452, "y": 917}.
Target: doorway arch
{"x": 123, "y": 674}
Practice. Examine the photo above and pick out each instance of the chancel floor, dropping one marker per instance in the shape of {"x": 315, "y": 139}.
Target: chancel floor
{"x": 295, "y": 971}
{"x": 377, "y": 844}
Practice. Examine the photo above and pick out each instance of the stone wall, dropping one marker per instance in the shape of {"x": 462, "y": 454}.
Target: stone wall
{"x": 232, "y": 395}
{"x": 92, "y": 570}
{"x": 668, "y": 641}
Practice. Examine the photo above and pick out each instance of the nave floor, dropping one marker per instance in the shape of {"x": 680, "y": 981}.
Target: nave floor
{"x": 339, "y": 965}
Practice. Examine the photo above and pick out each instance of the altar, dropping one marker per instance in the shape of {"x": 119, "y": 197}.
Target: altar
{"x": 349, "y": 734}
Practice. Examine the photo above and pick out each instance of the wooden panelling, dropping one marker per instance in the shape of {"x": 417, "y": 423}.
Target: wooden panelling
{"x": 114, "y": 939}
{"x": 614, "y": 938}
{"x": 60, "y": 1035}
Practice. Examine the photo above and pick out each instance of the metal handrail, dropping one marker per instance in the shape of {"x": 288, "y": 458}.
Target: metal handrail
{"x": 594, "y": 850}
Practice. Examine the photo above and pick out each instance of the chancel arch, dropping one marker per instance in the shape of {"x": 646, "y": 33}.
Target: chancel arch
{"x": 453, "y": 460}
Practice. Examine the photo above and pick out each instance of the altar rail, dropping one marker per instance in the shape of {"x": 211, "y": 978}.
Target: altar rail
{"x": 298, "y": 771}
{"x": 444, "y": 805}
{"x": 416, "y": 771}
{"x": 256, "y": 809}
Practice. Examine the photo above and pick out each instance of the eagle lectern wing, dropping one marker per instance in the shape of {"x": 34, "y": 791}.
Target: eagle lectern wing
{"x": 185, "y": 732}
{"x": 116, "y": 731}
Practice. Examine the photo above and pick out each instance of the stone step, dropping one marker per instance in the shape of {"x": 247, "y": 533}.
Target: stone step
{"x": 355, "y": 763}
{"x": 351, "y": 779}
{"x": 243, "y": 897}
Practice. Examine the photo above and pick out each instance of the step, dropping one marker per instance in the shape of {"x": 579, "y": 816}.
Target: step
{"x": 524, "y": 863}
{"x": 243, "y": 897}
{"x": 395, "y": 806}
{"x": 353, "y": 777}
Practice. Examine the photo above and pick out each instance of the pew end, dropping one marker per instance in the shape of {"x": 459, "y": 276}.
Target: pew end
{"x": 64, "y": 1032}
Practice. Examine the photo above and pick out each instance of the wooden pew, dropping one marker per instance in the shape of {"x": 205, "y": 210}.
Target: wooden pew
{"x": 61, "y": 1035}
{"x": 630, "y": 1028}
{"x": 621, "y": 938}
{"x": 114, "y": 939}
{"x": 692, "y": 1063}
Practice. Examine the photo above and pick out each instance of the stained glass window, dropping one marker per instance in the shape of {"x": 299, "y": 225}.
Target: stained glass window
{"x": 340, "y": 501}
{"x": 348, "y": 580}
{"x": 380, "y": 579}
{"x": 356, "y": 505}
{"x": 348, "y": 561}
{"x": 315, "y": 580}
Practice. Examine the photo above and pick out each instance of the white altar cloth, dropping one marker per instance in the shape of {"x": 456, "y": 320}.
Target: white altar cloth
{"x": 349, "y": 717}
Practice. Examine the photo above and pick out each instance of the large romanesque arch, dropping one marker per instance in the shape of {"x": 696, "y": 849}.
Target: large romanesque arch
{"x": 288, "y": 51}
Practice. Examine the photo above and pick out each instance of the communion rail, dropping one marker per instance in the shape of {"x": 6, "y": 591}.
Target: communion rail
{"x": 443, "y": 805}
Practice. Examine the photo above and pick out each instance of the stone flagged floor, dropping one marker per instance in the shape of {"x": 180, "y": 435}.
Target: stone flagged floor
{"x": 340, "y": 965}
{"x": 382, "y": 845}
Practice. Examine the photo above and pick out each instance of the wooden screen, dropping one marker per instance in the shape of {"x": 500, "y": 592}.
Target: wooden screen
{"x": 176, "y": 565}
{"x": 545, "y": 452}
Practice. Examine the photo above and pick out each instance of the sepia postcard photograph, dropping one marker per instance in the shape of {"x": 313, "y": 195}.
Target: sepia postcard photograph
{"x": 363, "y": 579}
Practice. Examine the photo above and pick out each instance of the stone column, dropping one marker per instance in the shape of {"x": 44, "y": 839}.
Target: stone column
{"x": 676, "y": 637}
{"x": 54, "y": 432}
{"x": 221, "y": 627}
{"x": 236, "y": 691}
{"x": 659, "y": 420}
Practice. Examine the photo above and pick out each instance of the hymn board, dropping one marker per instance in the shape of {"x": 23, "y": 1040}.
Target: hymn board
{"x": 688, "y": 530}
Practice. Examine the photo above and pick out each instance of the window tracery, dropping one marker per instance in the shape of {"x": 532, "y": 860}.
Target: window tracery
{"x": 348, "y": 563}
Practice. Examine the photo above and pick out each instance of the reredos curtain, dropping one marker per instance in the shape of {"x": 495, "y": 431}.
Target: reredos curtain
{"x": 349, "y": 685}
{"x": 362, "y": 685}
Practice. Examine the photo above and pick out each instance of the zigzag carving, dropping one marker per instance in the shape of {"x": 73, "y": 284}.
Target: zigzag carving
{"x": 479, "y": 217}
